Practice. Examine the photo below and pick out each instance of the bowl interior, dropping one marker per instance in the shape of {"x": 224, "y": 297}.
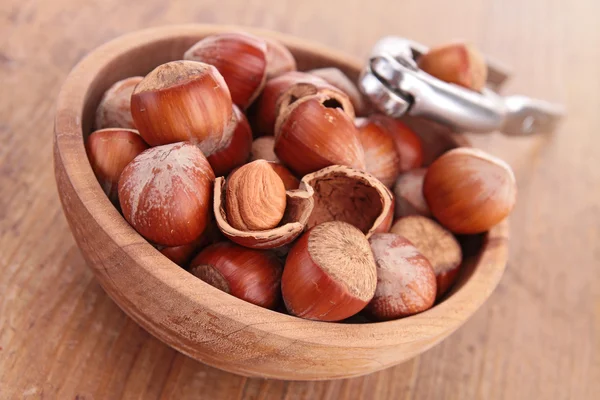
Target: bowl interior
{"x": 287, "y": 347}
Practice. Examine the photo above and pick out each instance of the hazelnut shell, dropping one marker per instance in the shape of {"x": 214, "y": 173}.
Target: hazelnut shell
{"x": 299, "y": 205}
{"x": 345, "y": 194}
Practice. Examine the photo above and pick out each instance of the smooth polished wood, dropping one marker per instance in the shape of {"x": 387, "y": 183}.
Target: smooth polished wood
{"x": 192, "y": 316}
{"x": 537, "y": 337}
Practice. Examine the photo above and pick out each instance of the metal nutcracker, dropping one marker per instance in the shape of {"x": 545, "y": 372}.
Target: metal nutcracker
{"x": 396, "y": 86}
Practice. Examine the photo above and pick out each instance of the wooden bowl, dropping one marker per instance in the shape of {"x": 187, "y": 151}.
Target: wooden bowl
{"x": 195, "y": 318}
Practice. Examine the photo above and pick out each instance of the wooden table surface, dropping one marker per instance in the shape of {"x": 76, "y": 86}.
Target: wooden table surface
{"x": 537, "y": 337}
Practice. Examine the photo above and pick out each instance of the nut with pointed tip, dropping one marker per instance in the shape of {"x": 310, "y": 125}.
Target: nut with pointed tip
{"x": 381, "y": 157}
{"x": 236, "y": 150}
{"x": 240, "y": 57}
{"x": 165, "y": 193}
{"x": 109, "y": 151}
{"x": 183, "y": 101}
{"x": 408, "y": 143}
{"x": 408, "y": 194}
{"x": 279, "y": 59}
{"x": 338, "y": 79}
{"x": 437, "y": 244}
{"x": 346, "y": 194}
{"x": 469, "y": 191}
{"x": 114, "y": 110}
{"x": 314, "y": 132}
{"x": 263, "y": 148}
{"x": 256, "y": 197}
{"x": 329, "y": 274}
{"x": 250, "y": 275}
{"x": 458, "y": 63}
{"x": 405, "y": 279}
{"x": 263, "y": 113}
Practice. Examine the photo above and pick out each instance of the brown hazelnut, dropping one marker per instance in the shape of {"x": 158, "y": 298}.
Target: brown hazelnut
{"x": 315, "y": 132}
{"x": 240, "y": 57}
{"x": 251, "y": 275}
{"x": 183, "y": 101}
{"x": 437, "y": 244}
{"x": 236, "y": 147}
{"x": 114, "y": 110}
{"x": 256, "y": 197}
{"x": 458, "y": 63}
{"x": 381, "y": 157}
{"x": 329, "y": 274}
{"x": 263, "y": 114}
{"x": 408, "y": 144}
{"x": 408, "y": 193}
{"x": 299, "y": 205}
{"x": 405, "y": 280}
{"x": 165, "y": 193}
{"x": 469, "y": 191}
{"x": 109, "y": 151}
{"x": 279, "y": 59}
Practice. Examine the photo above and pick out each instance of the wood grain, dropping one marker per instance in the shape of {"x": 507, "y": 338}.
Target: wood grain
{"x": 537, "y": 336}
{"x": 197, "y": 319}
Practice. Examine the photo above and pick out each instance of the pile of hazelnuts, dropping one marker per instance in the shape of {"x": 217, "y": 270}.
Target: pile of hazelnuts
{"x": 273, "y": 184}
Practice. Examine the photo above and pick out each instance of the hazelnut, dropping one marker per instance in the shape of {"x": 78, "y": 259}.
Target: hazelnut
{"x": 165, "y": 193}
{"x": 114, "y": 110}
{"x": 299, "y": 205}
{"x": 109, "y": 151}
{"x": 236, "y": 147}
{"x": 240, "y": 57}
{"x": 408, "y": 193}
{"x": 381, "y": 157}
{"x": 250, "y": 275}
{"x": 279, "y": 59}
{"x": 408, "y": 144}
{"x": 458, "y": 63}
{"x": 183, "y": 101}
{"x": 469, "y": 191}
{"x": 329, "y": 274}
{"x": 256, "y": 197}
{"x": 405, "y": 279}
{"x": 437, "y": 244}
{"x": 314, "y": 132}
{"x": 263, "y": 114}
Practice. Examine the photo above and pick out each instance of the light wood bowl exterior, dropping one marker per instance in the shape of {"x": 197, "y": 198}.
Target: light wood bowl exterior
{"x": 195, "y": 318}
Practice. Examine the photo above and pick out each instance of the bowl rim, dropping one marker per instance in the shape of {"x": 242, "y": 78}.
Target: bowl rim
{"x": 440, "y": 320}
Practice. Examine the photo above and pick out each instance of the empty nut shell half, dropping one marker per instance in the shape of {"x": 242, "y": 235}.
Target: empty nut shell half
{"x": 345, "y": 194}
